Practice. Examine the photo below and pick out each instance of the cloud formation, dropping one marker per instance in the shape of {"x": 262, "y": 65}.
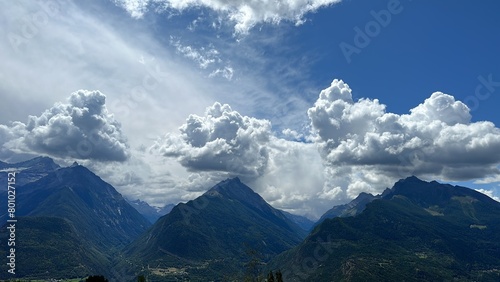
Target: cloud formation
{"x": 221, "y": 140}
{"x": 435, "y": 140}
{"x": 244, "y": 14}
{"x": 354, "y": 147}
{"x": 81, "y": 129}
{"x": 223, "y": 143}
{"x": 144, "y": 95}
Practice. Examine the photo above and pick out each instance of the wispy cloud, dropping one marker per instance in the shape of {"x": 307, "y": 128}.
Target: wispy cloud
{"x": 206, "y": 58}
{"x": 203, "y": 56}
{"x": 149, "y": 88}
{"x": 243, "y": 14}
{"x": 144, "y": 82}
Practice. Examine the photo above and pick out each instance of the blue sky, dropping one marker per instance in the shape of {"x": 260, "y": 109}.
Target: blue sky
{"x": 166, "y": 98}
{"x": 429, "y": 46}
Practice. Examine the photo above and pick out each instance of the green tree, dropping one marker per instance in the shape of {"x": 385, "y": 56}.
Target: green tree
{"x": 270, "y": 277}
{"x": 141, "y": 278}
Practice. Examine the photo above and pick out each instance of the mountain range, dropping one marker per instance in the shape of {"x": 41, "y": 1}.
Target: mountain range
{"x": 72, "y": 224}
{"x": 150, "y": 213}
{"x": 418, "y": 231}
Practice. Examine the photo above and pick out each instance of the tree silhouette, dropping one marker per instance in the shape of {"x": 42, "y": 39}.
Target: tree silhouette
{"x": 270, "y": 277}
{"x": 279, "y": 276}
{"x": 96, "y": 278}
{"x": 141, "y": 278}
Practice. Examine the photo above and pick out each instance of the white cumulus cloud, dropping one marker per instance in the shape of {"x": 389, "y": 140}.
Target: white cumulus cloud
{"x": 221, "y": 140}
{"x": 81, "y": 129}
{"x": 370, "y": 148}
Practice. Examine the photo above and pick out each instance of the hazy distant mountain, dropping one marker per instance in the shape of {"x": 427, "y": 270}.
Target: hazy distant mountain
{"x": 96, "y": 218}
{"x": 352, "y": 208}
{"x": 216, "y": 234}
{"x": 419, "y": 231}
{"x": 302, "y": 221}
{"x": 166, "y": 209}
{"x": 151, "y": 213}
{"x": 28, "y": 171}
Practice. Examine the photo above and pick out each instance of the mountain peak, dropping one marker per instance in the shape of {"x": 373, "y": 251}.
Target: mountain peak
{"x": 233, "y": 189}
{"x": 432, "y": 193}
{"x": 86, "y": 181}
{"x": 32, "y": 169}
{"x": 352, "y": 208}
{"x": 234, "y": 180}
{"x": 224, "y": 222}
{"x": 412, "y": 178}
{"x": 408, "y": 181}
{"x": 42, "y": 160}
{"x": 364, "y": 195}
{"x": 77, "y": 168}
{"x": 230, "y": 187}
